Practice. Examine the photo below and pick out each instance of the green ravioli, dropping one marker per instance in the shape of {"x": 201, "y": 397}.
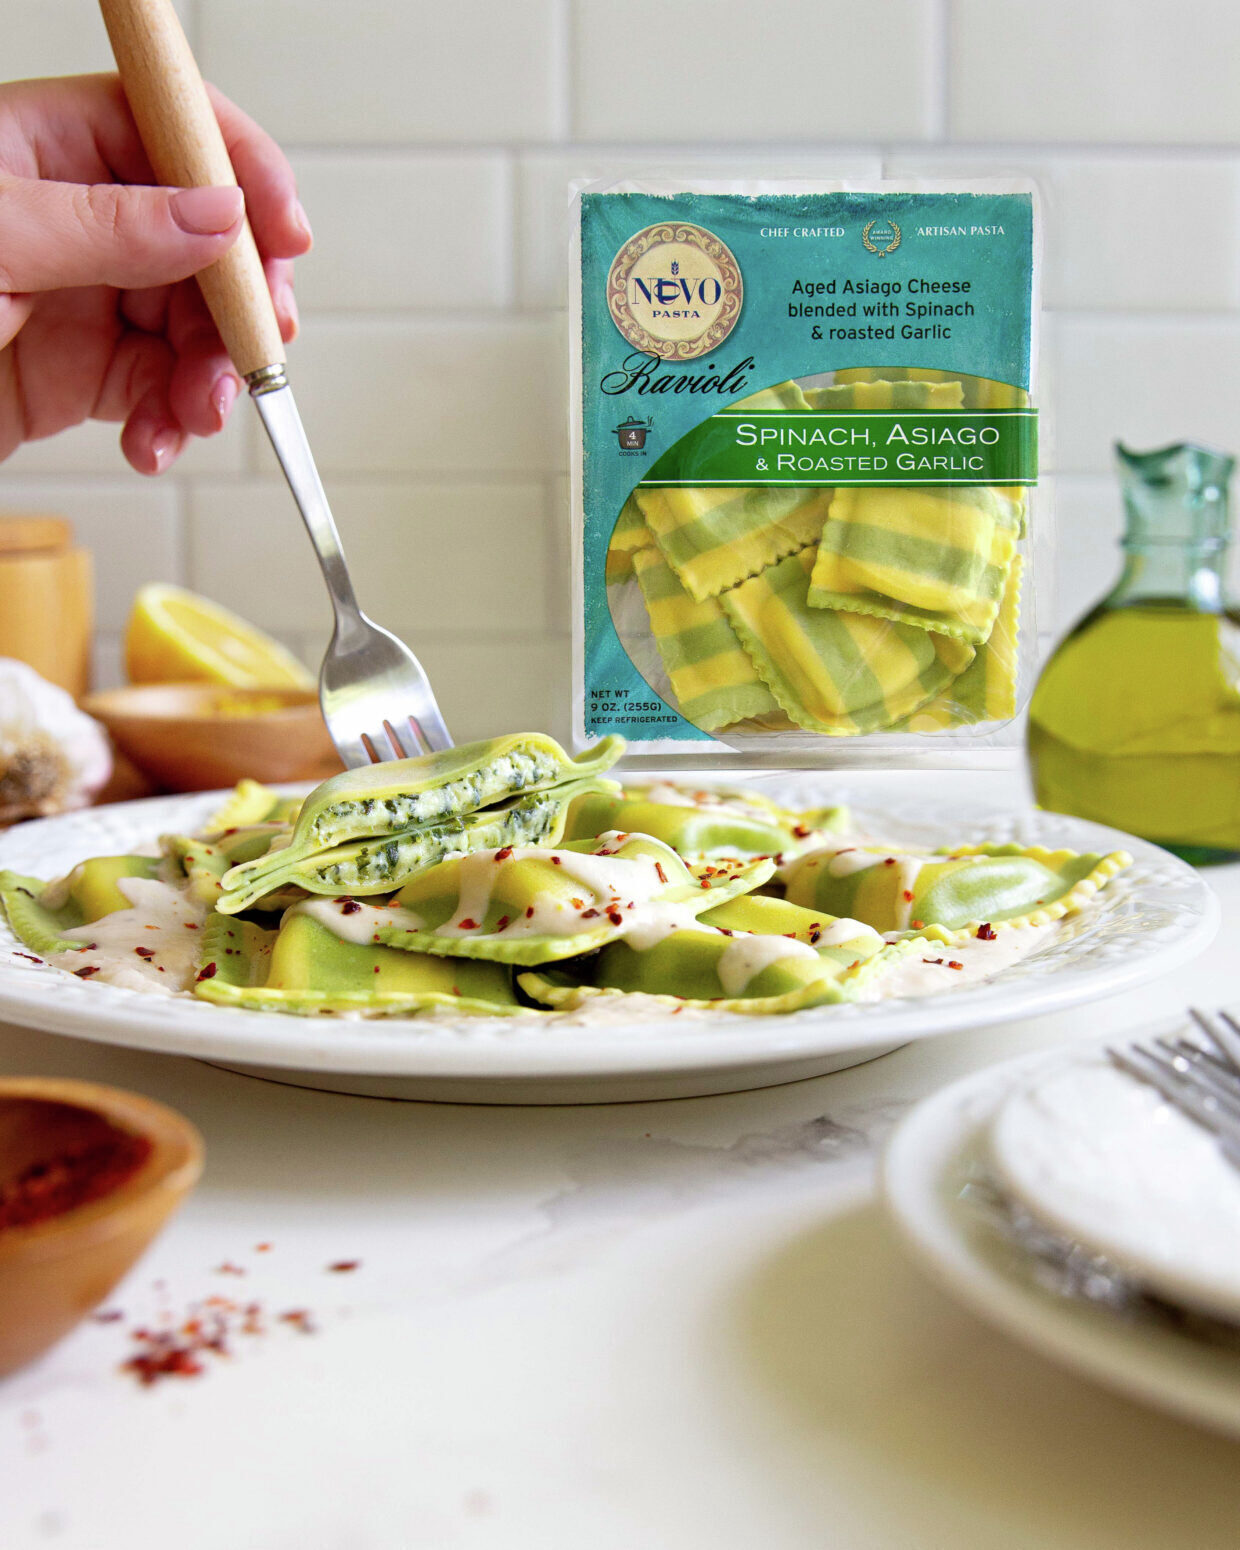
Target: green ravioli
{"x": 40, "y": 913}
{"x": 304, "y": 969}
{"x": 949, "y": 894}
{"x": 534, "y": 905}
{"x": 703, "y": 824}
{"x": 437, "y": 792}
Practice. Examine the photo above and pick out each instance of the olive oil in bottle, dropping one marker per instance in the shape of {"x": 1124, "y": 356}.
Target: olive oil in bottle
{"x": 1135, "y": 721}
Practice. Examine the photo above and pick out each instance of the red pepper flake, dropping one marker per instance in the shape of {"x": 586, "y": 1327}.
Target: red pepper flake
{"x": 529, "y": 913}
{"x": 262, "y": 1248}
{"x": 578, "y": 904}
{"x": 917, "y": 924}
{"x": 145, "y": 952}
{"x": 801, "y": 831}
{"x": 503, "y": 922}
{"x": 29, "y": 956}
{"x": 85, "y": 974}
{"x": 556, "y": 861}
{"x": 855, "y": 964}
{"x": 589, "y": 914}
{"x": 190, "y": 925}
{"x": 376, "y": 968}
{"x": 469, "y": 924}
{"x": 350, "y": 907}
{"x": 907, "y": 896}
{"x": 504, "y": 853}
{"x": 616, "y": 918}
{"x": 300, "y": 1320}
{"x": 726, "y": 932}
{"x": 986, "y": 931}
{"x": 662, "y": 875}
{"x": 890, "y": 861}
{"x": 705, "y": 883}
{"x": 952, "y": 964}
{"x": 815, "y": 931}
{"x": 932, "y": 960}
{"x": 88, "y": 1158}
{"x": 229, "y": 1269}
{"x": 207, "y": 972}
{"x": 342, "y": 1266}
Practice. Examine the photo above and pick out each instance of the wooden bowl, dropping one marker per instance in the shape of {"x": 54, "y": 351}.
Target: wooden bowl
{"x": 53, "y": 1272}
{"x": 194, "y": 737}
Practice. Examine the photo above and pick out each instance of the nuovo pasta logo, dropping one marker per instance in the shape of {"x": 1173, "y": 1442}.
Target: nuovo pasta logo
{"x": 674, "y": 290}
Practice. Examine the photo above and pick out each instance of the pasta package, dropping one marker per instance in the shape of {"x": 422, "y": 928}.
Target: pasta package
{"x": 805, "y": 447}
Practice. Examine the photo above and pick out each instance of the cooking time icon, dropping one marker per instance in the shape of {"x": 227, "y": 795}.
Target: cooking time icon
{"x": 632, "y": 434}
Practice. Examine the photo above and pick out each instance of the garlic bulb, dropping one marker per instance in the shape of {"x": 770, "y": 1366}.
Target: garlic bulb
{"x": 52, "y": 756}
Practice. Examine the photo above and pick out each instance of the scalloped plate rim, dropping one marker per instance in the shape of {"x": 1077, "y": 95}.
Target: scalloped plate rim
{"x": 521, "y": 1048}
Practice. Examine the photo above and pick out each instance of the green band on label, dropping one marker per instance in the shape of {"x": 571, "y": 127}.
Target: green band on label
{"x": 928, "y": 447}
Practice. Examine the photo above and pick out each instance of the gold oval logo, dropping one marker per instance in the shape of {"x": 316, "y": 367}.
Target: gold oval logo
{"x": 674, "y": 290}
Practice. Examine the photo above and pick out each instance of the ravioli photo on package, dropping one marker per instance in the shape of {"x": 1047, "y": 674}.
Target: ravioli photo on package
{"x": 805, "y": 441}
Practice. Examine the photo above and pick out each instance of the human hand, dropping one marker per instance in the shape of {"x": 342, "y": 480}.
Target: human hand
{"x": 99, "y": 318}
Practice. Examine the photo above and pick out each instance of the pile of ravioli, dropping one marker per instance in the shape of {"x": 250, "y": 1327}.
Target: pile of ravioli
{"x": 838, "y": 612}
{"x": 506, "y": 878}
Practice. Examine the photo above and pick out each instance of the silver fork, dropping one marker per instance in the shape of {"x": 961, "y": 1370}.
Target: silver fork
{"x": 376, "y": 698}
{"x": 1202, "y": 1082}
{"x": 372, "y": 689}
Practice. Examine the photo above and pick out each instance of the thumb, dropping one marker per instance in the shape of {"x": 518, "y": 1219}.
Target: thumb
{"x": 60, "y": 234}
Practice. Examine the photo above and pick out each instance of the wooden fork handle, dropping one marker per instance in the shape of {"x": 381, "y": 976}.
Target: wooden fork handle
{"x": 186, "y": 148}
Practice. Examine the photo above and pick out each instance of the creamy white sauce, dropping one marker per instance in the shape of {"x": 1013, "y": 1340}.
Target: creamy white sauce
{"x": 163, "y": 921}
{"x": 922, "y": 973}
{"x": 906, "y": 870}
{"x": 845, "y": 863}
{"x": 745, "y": 957}
{"x": 668, "y": 795}
{"x": 845, "y": 930}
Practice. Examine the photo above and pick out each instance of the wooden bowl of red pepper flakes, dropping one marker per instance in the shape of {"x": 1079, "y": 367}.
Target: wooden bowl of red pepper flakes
{"x": 88, "y": 1176}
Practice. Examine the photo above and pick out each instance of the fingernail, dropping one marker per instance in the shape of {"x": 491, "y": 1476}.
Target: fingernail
{"x": 300, "y": 217}
{"x": 205, "y": 212}
{"x": 224, "y": 395}
{"x": 165, "y": 447}
{"x": 287, "y": 308}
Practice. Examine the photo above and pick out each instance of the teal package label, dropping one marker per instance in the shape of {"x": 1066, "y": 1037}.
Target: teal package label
{"x": 769, "y": 289}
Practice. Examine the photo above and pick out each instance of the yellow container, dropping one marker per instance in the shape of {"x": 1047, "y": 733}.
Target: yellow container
{"x": 46, "y": 599}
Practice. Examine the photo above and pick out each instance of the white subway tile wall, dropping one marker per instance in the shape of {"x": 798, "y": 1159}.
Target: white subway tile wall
{"x": 434, "y": 146}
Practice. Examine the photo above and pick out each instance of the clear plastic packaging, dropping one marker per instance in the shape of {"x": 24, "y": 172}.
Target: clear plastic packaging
{"x": 804, "y": 438}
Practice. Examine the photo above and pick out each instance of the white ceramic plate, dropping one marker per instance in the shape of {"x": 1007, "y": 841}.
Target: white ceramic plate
{"x": 931, "y": 1158}
{"x": 1157, "y": 915}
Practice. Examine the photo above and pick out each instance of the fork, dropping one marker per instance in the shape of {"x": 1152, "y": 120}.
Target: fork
{"x": 1201, "y": 1082}
{"x": 375, "y": 696}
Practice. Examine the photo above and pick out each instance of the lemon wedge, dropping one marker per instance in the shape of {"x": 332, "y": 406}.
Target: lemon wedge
{"x": 175, "y": 636}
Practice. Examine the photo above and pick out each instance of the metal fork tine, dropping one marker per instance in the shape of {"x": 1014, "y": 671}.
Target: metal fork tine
{"x": 394, "y": 740}
{"x": 1183, "y": 1093}
{"x": 432, "y": 730}
{"x": 371, "y": 754}
{"x": 1219, "y": 1069}
{"x": 1200, "y": 1076}
{"x": 1223, "y": 1032}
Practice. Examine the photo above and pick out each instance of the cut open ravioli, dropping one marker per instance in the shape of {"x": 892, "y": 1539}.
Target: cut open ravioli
{"x": 411, "y": 796}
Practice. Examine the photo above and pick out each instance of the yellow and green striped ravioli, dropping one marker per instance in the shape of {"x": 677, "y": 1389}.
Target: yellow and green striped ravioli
{"x": 628, "y": 536}
{"x": 716, "y": 538}
{"x": 986, "y": 690}
{"x": 934, "y": 558}
{"x": 713, "y": 679}
{"x": 835, "y": 672}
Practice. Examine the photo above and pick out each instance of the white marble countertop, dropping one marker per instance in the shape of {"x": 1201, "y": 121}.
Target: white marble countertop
{"x": 656, "y": 1326}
